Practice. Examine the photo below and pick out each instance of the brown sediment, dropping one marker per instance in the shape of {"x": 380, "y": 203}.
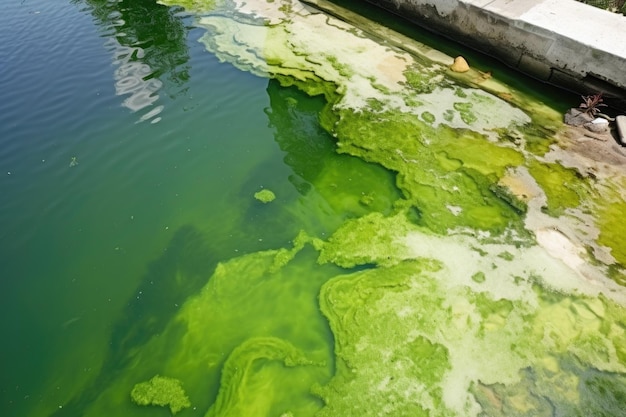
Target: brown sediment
{"x": 594, "y": 155}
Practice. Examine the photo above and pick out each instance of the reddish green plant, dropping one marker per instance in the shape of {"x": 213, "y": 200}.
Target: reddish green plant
{"x": 591, "y": 104}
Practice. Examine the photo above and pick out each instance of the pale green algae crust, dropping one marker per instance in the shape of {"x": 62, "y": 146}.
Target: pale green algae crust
{"x": 459, "y": 312}
{"x": 419, "y": 335}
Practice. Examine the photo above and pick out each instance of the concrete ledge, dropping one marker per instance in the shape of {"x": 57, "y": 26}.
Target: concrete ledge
{"x": 562, "y": 42}
{"x": 620, "y": 122}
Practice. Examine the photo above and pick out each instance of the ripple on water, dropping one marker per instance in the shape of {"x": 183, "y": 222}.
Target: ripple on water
{"x": 81, "y": 166}
{"x": 152, "y": 113}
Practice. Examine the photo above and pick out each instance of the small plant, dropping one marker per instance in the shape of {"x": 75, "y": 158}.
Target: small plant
{"x": 590, "y": 104}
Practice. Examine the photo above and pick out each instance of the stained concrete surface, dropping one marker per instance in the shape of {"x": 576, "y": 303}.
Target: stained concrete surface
{"x": 562, "y": 42}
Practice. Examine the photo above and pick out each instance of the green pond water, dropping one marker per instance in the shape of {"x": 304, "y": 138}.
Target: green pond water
{"x": 216, "y": 208}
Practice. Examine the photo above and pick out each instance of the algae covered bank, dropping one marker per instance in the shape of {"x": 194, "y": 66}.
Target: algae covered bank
{"x": 486, "y": 279}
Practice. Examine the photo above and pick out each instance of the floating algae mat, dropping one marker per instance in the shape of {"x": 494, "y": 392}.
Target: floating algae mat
{"x": 489, "y": 282}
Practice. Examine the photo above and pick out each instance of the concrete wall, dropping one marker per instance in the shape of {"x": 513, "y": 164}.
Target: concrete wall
{"x": 562, "y": 42}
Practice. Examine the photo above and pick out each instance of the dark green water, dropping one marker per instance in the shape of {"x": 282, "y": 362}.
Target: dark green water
{"x": 94, "y": 198}
{"x": 131, "y": 243}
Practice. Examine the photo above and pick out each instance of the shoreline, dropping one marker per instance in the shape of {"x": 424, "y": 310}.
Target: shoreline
{"x": 561, "y": 42}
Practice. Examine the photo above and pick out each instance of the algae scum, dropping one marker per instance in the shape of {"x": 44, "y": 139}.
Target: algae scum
{"x": 488, "y": 280}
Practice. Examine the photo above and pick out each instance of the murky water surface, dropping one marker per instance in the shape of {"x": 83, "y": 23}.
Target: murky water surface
{"x": 250, "y": 209}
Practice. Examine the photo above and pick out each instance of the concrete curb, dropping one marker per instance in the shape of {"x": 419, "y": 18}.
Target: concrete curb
{"x": 620, "y": 123}
{"x": 562, "y": 42}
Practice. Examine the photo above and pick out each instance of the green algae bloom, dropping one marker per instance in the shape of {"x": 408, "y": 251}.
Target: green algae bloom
{"x": 448, "y": 179}
{"x": 239, "y": 371}
{"x": 265, "y": 196}
{"x": 613, "y": 228}
{"x": 410, "y": 340}
{"x": 162, "y": 391}
{"x": 561, "y": 185}
{"x": 192, "y": 5}
{"x": 453, "y": 295}
{"x": 365, "y": 240}
{"x": 461, "y": 301}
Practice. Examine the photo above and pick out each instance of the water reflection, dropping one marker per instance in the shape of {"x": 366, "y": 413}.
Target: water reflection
{"x": 148, "y": 43}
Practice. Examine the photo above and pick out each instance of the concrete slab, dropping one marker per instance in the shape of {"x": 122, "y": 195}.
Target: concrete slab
{"x": 562, "y": 42}
{"x": 590, "y": 26}
{"x": 512, "y": 9}
{"x": 620, "y": 123}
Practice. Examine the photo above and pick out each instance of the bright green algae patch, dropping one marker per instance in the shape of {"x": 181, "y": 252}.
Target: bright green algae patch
{"x": 362, "y": 241}
{"x": 613, "y": 228}
{"x": 381, "y": 369}
{"x": 446, "y": 174}
{"x": 161, "y": 391}
{"x": 252, "y": 338}
{"x": 241, "y": 370}
{"x": 192, "y": 5}
{"x": 563, "y": 188}
{"x": 265, "y": 196}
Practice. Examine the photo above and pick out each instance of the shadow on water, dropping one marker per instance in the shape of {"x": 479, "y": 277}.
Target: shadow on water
{"x": 311, "y": 153}
{"x": 327, "y": 186}
{"x": 182, "y": 270}
{"x": 148, "y": 43}
{"x": 307, "y": 146}
{"x": 306, "y": 149}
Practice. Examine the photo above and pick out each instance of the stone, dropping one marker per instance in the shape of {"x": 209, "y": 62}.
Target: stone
{"x": 598, "y": 125}
{"x": 459, "y": 65}
{"x": 576, "y": 117}
{"x": 620, "y": 123}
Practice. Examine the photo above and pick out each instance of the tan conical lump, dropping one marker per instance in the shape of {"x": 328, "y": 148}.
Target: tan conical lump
{"x": 460, "y": 65}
